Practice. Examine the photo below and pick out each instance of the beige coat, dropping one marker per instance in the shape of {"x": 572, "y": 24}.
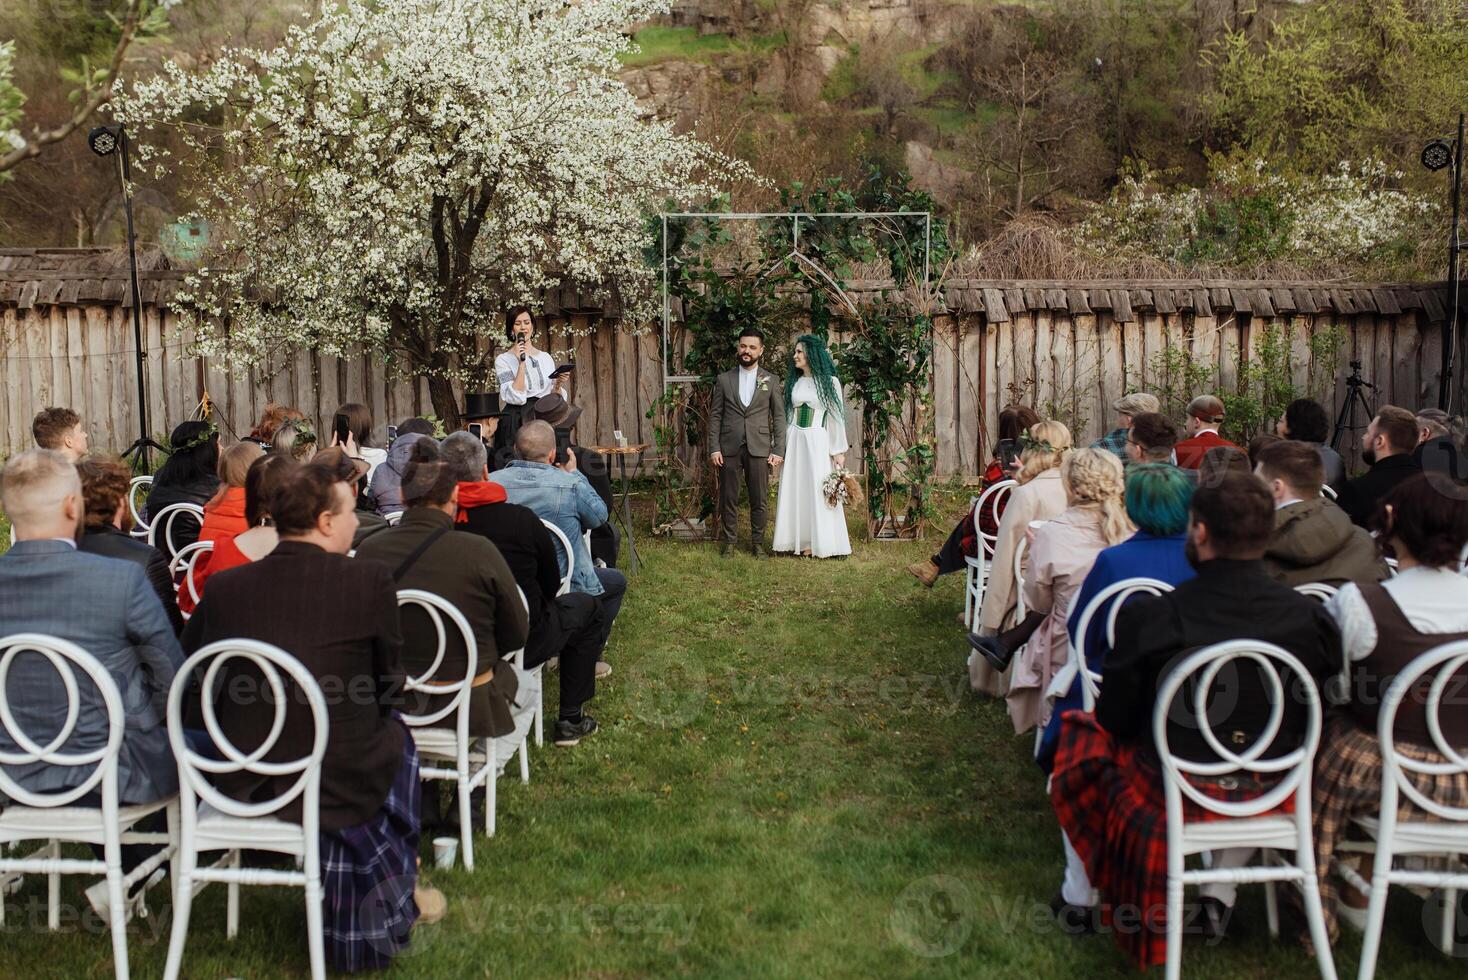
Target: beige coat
{"x": 1041, "y": 499}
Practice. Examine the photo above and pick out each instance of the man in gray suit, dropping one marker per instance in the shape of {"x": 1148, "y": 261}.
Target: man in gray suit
{"x": 103, "y": 605}
{"x": 747, "y": 426}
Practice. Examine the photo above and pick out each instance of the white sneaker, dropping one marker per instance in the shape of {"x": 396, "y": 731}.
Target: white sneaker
{"x": 135, "y": 906}
{"x": 1353, "y": 917}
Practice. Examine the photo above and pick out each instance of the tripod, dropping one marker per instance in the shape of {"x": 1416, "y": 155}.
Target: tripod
{"x": 1345, "y": 420}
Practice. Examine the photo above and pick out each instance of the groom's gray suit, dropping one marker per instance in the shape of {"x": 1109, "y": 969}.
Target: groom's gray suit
{"x": 747, "y": 435}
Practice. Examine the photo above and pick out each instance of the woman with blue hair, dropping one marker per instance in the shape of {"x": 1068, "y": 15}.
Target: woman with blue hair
{"x": 815, "y": 444}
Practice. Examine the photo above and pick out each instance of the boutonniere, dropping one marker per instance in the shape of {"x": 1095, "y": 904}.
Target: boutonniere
{"x": 762, "y": 384}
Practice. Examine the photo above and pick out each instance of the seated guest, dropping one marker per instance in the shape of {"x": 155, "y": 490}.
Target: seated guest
{"x": 339, "y": 618}
{"x": 122, "y": 625}
{"x": 483, "y": 409}
{"x": 1151, "y": 439}
{"x": 60, "y": 429}
{"x": 224, "y": 514}
{"x": 1313, "y": 540}
{"x": 415, "y": 426}
{"x": 190, "y": 475}
{"x": 386, "y": 492}
{"x": 1040, "y": 496}
{"x": 963, "y": 541}
{"x": 1127, "y": 409}
{"x": 358, "y": 443}
{"x": 1107, "y": 785}
{"x": 105, "y": 483}
{"x": 1157, "y": 498}
{"x": 560, "y": 494}
{"x": 1061, "y": 554}
{"x": 606, "y": 541}
{"x": 1387, "y": 448}
{"x": 295, "y": 438}
{"x": 1437, "y": 451}
{"x": 1384, "y": 627}
{"x": 1205, "y": 415}
{"x": 274, "y": 416}
{"x": 1258, "y": 443}
{"x": 570, "y": 627}
{"x": 1305, "y": 421}
{"x": 265, "y": 474}
{"x": 1220, "y": 461}
{"x": 353, "y": 470}
{"x": 464, "y": 569}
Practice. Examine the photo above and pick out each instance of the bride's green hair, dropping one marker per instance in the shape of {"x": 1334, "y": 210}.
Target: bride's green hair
{"x": 822, "y": 371}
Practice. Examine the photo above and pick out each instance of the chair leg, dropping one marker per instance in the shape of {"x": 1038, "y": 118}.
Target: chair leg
{"x": 1271, "y": 909}
{"x": 53, "y": 890}
{"x": 490, "y": 785}
{"x": 1449, "y": 899}
{"x": 540, "y": 717}
{"x": 1174, "y": 927}
{"x": 466, "y": 821}
{"x": 525, "y": 759}
{"x": 116, "y": 907}
{"x": 315, "y": 937}
{"x": 232, "y": 903}
{"x": 183, "y": 901}
{"x": 1375, "y": 913}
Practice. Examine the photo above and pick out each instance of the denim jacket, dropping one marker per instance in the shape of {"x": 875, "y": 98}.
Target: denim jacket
{"x": 565, "y": 500}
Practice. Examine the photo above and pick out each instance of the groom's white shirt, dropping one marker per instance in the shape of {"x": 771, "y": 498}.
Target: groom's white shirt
{"x": 747, "y": 377}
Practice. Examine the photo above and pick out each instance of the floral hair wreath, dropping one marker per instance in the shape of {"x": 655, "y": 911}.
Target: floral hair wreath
{"x": 1027, "y": 441}
{"x": 210, "y": 431}
{"x": 304, "y": 434}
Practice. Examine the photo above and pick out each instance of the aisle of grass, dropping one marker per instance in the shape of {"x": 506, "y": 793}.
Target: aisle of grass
{"x": 791, "y": 781}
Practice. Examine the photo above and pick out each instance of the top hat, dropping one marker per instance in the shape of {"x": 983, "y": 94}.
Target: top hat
{"x": 553, "y": 408}
{"x": 482, "y": 405}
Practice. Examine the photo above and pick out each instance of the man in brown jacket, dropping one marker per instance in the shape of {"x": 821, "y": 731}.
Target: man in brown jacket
{"x": 1313, "y": 540}
{"x": 747, "y": 436}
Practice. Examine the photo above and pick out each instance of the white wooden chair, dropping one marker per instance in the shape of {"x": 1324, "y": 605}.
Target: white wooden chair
{"x": 162, "y": 524}
{"x": 1391, "y": 837}
{"x": 1317, "y": 590}
{"x": 185, "y": 562}
{"x": 56, "y": 817}
{"x": 393, "y": 518}
{"x": 225, "y": 824}
{"x": 1245, "y": 823}
{"x": 565, "y": 545}
{"x": 976, "y": 576}
{"x": 517, "y": 657}
{"x": 1116, "y": 594}
{"x": 1327, "y": 492}
{"x": 138, "y": 485}
{"x": 442, "y": 736}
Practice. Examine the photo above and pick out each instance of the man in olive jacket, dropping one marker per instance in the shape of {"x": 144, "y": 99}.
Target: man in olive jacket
{"x": 422, "y": 552}
{"x": 1313, "y": 540}
{"x": 747, "y": 435}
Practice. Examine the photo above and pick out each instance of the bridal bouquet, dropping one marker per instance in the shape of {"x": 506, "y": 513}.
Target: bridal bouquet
{"x": 842, "y": 488}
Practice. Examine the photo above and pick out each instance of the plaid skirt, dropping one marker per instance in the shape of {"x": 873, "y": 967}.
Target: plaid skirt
{"x": 1347, "y": 784}
{"x": 368, "y": 873}
{"x": 1108, "y": 798}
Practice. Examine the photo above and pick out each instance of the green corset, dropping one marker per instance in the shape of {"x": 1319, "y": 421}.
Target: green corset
{"x": 805, "y": 415}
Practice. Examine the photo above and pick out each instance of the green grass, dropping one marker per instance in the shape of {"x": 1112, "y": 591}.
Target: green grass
{"x": 790, "y": 769}
{"x": 659, "y": 44}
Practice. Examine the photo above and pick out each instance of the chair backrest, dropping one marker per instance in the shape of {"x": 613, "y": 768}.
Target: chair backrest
{"x": 163, "y": 522}
{"x": 1117, "y": 593}
{"x": 138, "y": 485}
{"x": 1443, "y": 662}
{"x": 186, "y": 561}
{"x": 438, "y": 608}
{"x": 1316, "y": 590}
{"x": 194, "y": 769}
{"x": 64, "y": 657}
{"x": 1291, "y": 769}
{"x": 565, "y": 544}
{"x": 1327, "y": 492}
{"x": 994, "y": 497}
{"x": 1391, "y": 565}
{"x": 1019, "y": 576}
{"x": 393, "y": 518}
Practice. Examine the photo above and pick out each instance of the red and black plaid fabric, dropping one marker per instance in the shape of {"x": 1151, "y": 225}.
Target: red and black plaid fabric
{"x": 1109, "y": 801}
{"x": 988, "y": 518}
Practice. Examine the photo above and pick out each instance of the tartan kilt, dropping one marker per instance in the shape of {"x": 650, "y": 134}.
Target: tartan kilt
{"x": 368, "y": 873}
{"x": 1346, "y": 784}
{"x": 1108, "y": 798}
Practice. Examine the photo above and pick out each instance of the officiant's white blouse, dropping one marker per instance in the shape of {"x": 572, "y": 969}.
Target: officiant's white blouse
{"x": 538, "y": 368}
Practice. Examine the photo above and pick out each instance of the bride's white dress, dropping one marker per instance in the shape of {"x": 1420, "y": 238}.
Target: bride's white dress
{"x": 803, "y": 520}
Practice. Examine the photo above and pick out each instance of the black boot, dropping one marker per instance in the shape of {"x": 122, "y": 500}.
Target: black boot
{"x": 993, "y": 649}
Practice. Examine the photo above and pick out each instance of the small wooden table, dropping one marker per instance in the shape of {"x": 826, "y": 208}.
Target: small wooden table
{"x": 622, "y": 454}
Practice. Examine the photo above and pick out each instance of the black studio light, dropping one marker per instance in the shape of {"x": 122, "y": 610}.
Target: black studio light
{"x": 1440, "y": 154}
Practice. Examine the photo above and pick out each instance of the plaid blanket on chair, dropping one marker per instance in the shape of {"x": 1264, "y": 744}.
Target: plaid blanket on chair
{"x": 368, "y": 873}
{"x": 1347, "y": 784}
{"x": 1108, "y": 798}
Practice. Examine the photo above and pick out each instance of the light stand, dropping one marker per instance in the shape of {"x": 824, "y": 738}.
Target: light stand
{"x": 1437, "y": 155}
{"x": 105, "y": 141}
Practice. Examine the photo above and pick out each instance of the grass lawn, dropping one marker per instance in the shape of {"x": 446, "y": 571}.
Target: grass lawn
{"x": 792, "y": 780}
{"x": 658, "y": 44}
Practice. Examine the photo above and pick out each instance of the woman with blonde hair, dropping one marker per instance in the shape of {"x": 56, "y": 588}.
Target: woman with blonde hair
{"x": 1039, "y": 497}
{"x": 1061, "y": 555}
{"x": 224, "y": 514}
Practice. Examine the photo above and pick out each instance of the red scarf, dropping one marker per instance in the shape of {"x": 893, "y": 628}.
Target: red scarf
{"x": 478, "y": 494}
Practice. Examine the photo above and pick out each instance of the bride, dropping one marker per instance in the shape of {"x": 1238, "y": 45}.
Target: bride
{"x": 815, "y": 443}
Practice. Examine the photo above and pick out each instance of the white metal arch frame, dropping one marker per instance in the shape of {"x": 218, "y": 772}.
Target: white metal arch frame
{"x": 230, "y": 825}
{"x": 56, "y": 817}
{"x": 794, "y": 217}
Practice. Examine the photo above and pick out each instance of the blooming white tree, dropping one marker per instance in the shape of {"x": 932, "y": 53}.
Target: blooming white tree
{"x": 393, "y": 175}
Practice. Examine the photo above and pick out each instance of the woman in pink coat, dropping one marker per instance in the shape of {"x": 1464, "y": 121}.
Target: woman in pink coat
{"x": 1062, "y": 552}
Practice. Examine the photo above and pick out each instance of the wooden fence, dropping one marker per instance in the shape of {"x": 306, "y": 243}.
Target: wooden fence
{"x": 1069, "y": 349}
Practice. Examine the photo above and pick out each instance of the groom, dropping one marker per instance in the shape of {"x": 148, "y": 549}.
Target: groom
{"x": 747, "y": 430}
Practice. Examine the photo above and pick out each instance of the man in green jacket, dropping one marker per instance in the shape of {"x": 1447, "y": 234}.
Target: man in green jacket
{"x": 1314, "y": 540}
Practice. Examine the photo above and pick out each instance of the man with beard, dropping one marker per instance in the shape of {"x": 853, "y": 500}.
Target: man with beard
{"x": 747, "y": 435}
{"x": 1387, "y": 448}
{"x": 1106, "y": 786}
